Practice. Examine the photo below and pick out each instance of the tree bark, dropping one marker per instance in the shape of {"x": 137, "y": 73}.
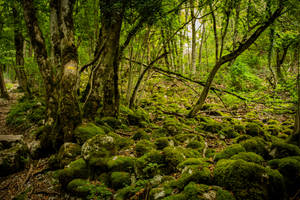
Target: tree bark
{"x": 227, "y": 58}
{"x": 3, "y": 91}
{"x": 193, "y": 53}
{"x": 59, "y": 74}
{"x": 19, "y": 45}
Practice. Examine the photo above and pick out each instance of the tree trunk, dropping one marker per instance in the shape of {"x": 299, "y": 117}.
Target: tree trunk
{"x": 60, "y": 74}
{"x": 105, "y": 75}
{"x": 19, "y": 45}
{"x": 3, "y": 91}
{"x": 193, "y": 53}
{"x": 279, "y": 61}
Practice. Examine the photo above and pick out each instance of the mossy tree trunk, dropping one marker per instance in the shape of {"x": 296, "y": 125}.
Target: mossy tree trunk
{"x": 59, "y": 72}
{"x": 19, "y": 45}
{"x": 105, "y": 70}
{"x": 3, "y": 91}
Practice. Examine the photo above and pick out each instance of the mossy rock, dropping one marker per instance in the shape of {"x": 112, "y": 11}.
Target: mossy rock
{"x": 230, "y": 151}
{"x": 195, "y": 145}
{"x": 173, "y": 156}
{"x": 212, "y": 126}
{"x": 249, "y": 157}
{"x": 139, "y": 117}
{"x": 121, "y": 163}
{"x": 190, "y": 153}
{"x": 143, "y": 146}
{"x": 256, "y": 145}
{"x": 203, "y": 162}
{"x": 150, "y": 164}
{"x": 163, "y": 142}
{"x": 254, "y": 129}
{"x": 127, "y": 192}
{"x": 273, "y": 129}
{"x": 13, "y": 159}
{"x": 98, "y": 150}
{"x": 86, "y": 131}
{"x": 172, "y": 126}
{"x": 282, "y": 149}
{"x": 67, "y": 153}
{"x": 229, "y": 132}
{"x": 112, "y": 122}
{"x": 239, "y": 128}
{"x": 186, "y": 138}
{"x": 76, "y": 169}
{"x": 77, "y": 187}
{"x": 289, "y": 167}
{"x": 120, "y": 179}
{"x": 141, "y": 135}
{"x": 249, "y": 181}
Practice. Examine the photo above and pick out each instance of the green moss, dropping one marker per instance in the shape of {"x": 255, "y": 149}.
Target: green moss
{"x": 150, "y": 164}
{"x": 139, "y": 117}
{"x": 229, "y": 132}
{"x": 172, "y": 126}
{"x": 224, "y": 195}
{"x": 249, "y": 157}
{"x": 289, "y": 167}
{"x": 256, "y": 145}
{"x": 273, "y": 129}
{"x": 143, "y": 146}
{"x": 121, "y": 163}
{"x": 186, "y": 138}
{"x": 281, "y": 149}
{"x": 230, "y": 151}
{"x": 249, "y": 180}
{"x": 203, "y": 162}
{"x": 173, "y": 157}
{"x": 254, "y": 129}
{"x": 68, "y": 153}
{"x": 76, "y": 169}
{"x": 212, "y": 126}
{"x": 120, "y": 179}
{"x": 163, "y": 142}
{"x": 84, "y": 132}
{"x": 195, "y": 145}
{"x": 193, "y": 190}
{"x": 180, "y": 196}
{"x": 127, "y": 192}
{"x": 76, "y": 187}
{"x": 140, "y": 134}
{"x": 240, "y": 128}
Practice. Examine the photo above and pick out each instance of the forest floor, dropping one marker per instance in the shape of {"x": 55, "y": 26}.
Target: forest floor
{"x": 33, "y": 180}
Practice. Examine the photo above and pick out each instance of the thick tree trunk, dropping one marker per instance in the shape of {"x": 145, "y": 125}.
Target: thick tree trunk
{"x": 19, "y": 45}
{"x": 60, "y": 74}
{"x": 105, "y": 72}
{"x": 3, "y": 91}
{"x": 279, "y": 61}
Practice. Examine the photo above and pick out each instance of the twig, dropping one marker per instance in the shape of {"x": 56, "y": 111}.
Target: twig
{"x": 204, "y": 150}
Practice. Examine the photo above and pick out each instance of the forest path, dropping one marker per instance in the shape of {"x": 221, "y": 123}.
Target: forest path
{"x": 33, "y": 182}
{"x": 5, "y": 106}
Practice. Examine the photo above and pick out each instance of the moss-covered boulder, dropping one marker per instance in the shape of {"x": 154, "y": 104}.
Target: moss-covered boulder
{"x": 254, "y": 129}
{"x": 120, "y": 179}
{"x": 212, "y": 126}
{"x": 289, "y": 167}
{"x": 68, "y": 153}
{"x": 173, "y": 156}
{"x": 256, "y": 145}
{"x": 141, "y": 135}
{"x": 97, "y": 150}
{"x": 139, "y": 117}
{"x": 86, "y": 131}
{"x": 111, "y": 122}
{"x": 150, "y": 164}
{"x": 121, "y": 163}
{"x": 163, "y": 142}
{"x": 230, "y": 151}
{"x": 76, "y": 169}
{"x": 249, "y": 157}
{"x": 172, "y": 126}
{"x": 273, "y": 129}
{"x": 143, "y": 146}
{"x": 185, "y": 138}
{"x": 282, "y": 149}
{"x": 13, "y": 159}
{"x": 249, "y": 181}
{"x": 87, "y": 190}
